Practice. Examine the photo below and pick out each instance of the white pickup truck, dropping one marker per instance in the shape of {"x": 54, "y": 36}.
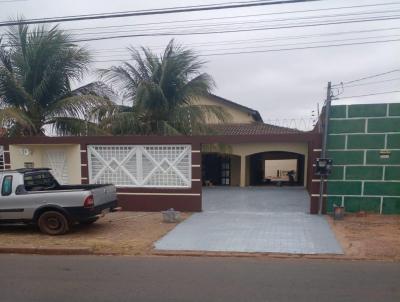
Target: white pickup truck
{"x": 35, "y": 196}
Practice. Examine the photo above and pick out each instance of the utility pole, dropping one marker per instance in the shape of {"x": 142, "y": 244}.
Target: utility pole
{"x": 324, "y": 142}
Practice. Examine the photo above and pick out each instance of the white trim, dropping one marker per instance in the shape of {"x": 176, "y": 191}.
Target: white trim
{"x": 344, "y": 172}
{"x": 317, "y": 150}
{"x": 376, "y": 196}
{"x": 196, "y": 151}
{"x": 365, "y": 157}
{"x": 196, "y": 179}
{"x": 195, "y": 166}
{"x": 385, "y": 144}
{"x": 85, "y": 178}
{"x": 369, "y": 165}
{"x": 361, "y": 118}
{"x": 362, "y": 187}
{"x": 83, "y": 165}
{"x": 317, "y": 180}
{"x": 354, "y": 133}
{"x": 160, "y": 194}
{"x": 358, "y": 180}
{"x": 366, "y": 126}
{"x": 317, "y": 195}
{"x": 6, "y": 151}
{"x": 346, "y": 139}
{"x": 387, "y": 110}
{"x": 83, "y": 150}
{"x": 363, "y": 149}
{"x": 383, "y": 172}
{"x": 381, "y": 206}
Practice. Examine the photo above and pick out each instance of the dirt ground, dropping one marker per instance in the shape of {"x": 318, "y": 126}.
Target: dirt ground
{"x": 128, "y": 233}
{"x": 371, "y": 236}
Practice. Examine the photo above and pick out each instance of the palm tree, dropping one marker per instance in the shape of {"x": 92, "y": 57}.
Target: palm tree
{"x": 163, "y": 90}
{"x": 36, "y": 70}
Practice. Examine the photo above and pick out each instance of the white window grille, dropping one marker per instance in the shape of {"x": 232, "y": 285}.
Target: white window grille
{"x": 155, "y": 166}
{"x": 2, "y": 166}
{"x": 56, "y": 160}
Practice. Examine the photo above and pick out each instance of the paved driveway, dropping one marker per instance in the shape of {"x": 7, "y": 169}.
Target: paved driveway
{"x": 254, "y": 219}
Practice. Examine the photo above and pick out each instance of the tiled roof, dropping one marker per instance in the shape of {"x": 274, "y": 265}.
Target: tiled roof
{"x": 251, "y": 129}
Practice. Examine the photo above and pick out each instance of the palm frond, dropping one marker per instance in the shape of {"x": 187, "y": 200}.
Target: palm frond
{"x": 74, "y": 126}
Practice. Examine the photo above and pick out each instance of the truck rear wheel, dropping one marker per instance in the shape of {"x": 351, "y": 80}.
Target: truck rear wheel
{"x": 53, "y": 223}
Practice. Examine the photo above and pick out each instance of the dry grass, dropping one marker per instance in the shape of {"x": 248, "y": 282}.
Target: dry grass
{"x": 127, "y": 233}
{"x": 371, "y": 236}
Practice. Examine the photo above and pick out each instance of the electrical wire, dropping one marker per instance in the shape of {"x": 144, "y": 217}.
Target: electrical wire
{"x": 163, "y": 11}
{"x": 366, "y": 95}
{"x": 367, "y": 77}
{"x": 234, "y": 17}
{"x": 273, "y": 50}
{"x": 277, "y": 45}
{"x": 371, "y": 83}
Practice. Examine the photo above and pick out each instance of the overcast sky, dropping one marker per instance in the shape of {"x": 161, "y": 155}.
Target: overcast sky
{"x": 280, "y": 85}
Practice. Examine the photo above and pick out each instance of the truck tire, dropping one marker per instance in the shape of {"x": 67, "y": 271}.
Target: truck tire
{"x": 89, "y": 221}
{"x": 53, "y": 223}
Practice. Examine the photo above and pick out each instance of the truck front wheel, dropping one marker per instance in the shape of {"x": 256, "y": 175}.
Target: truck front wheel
{"x": 53, "y": 223}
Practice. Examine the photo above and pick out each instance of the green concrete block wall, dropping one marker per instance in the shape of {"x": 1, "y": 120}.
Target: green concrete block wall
{"x": 363, "y": 179}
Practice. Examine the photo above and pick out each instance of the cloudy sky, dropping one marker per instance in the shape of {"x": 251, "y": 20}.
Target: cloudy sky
{"x": 284, "y": 84}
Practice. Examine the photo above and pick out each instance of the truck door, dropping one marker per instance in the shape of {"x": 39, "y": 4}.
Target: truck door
{"x": 9, "y": 208}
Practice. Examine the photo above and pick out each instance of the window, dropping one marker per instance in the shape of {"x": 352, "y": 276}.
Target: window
{"x": 225, "y": 171}
{"x": 39, "y": 181}
{"x": 28, "y": 165}
{"x": 6, "y": 188}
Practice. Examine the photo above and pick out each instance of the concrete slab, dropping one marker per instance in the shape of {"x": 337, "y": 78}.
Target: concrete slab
{"x": 270, "y": 220}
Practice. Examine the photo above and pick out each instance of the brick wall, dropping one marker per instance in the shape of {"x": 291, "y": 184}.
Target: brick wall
{"x": 362, "y": 180}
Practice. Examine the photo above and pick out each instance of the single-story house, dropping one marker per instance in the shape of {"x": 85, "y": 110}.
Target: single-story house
{"x": 160, "y": 172}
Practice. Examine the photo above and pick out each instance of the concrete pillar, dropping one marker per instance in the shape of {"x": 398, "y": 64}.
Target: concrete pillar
{"x": 243, "y": 171}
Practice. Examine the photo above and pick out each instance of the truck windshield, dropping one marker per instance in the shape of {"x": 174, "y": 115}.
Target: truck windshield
{"x": 39, "y": 181}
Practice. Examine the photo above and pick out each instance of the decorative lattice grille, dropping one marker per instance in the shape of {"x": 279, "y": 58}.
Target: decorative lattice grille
{"x": 156, "y": 166}
{"x": 2, "y": 167}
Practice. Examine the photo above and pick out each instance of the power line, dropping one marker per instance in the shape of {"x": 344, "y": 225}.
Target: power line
{"x": 274, "y": 50}
{"x": 173, "y": 10}
{"x": 372, "y": 83}
{"x": 212, "y": 25}
{"x": 280, "y": 45}
{"x": 368, "y": 77}
{"x": 275, "y": 38}
{"x": 370, "y": 94}
{"x": 224, "y": 31}
{"x": 247, "y": 16}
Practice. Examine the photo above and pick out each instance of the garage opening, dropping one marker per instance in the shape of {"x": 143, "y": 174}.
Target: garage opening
{"x": 276, "y": 168}
{"x": 220, "y": 169}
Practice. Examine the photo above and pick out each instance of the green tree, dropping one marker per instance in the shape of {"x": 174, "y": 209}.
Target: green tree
{"x": 37, "y": 68}
{"x": 163, "y": 90}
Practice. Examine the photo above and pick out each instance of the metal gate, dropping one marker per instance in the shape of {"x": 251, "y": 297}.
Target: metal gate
{"x": 155, "y": 166}
{"x": 2, "y": 167}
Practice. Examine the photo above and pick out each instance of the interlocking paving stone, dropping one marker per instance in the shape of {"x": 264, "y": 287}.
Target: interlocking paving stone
{"x": 253, "y": 220}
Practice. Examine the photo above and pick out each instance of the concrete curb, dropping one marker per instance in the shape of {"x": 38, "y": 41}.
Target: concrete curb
{"x": 269, "y": 255}
{"x": 46, "y": 250}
